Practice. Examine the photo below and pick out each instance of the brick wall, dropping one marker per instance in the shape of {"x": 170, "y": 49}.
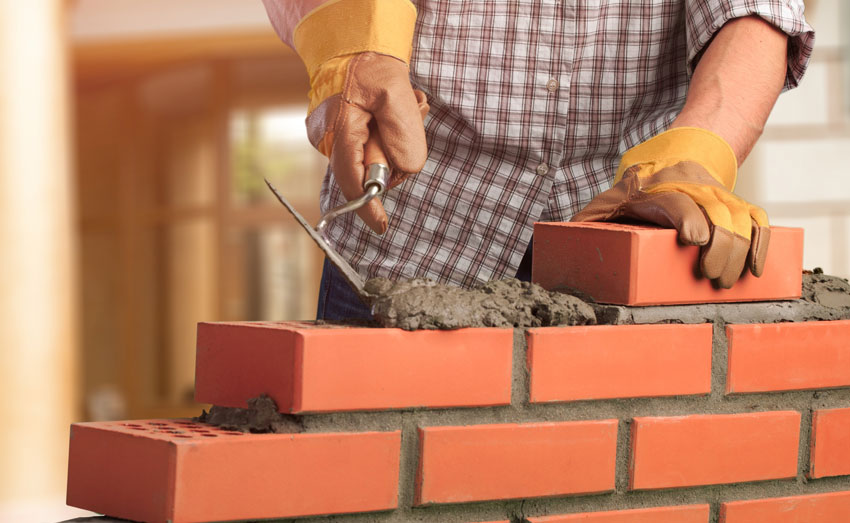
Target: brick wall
{"x": 708, "y": 412}
{"x": 702, "y": 422}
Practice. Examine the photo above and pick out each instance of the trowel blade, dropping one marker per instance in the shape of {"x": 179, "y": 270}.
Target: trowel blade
{"x": 348, "y": 272}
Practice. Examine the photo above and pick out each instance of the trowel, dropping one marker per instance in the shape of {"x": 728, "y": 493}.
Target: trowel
{"x": 376, "y": 183}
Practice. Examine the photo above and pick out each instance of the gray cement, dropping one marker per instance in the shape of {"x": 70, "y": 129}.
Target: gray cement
{"x": 261, "y": 416}
{"x": 823, "y": 298}
{"x": 425, "y": 304}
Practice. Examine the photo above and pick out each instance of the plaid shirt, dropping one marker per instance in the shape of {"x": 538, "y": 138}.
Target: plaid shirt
{"x": 532, "y": 104}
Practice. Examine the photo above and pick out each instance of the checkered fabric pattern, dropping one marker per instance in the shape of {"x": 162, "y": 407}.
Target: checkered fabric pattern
{"x": 532, "y": 104}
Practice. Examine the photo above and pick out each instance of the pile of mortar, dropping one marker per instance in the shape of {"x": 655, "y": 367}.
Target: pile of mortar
{"x": 425, "y": 304}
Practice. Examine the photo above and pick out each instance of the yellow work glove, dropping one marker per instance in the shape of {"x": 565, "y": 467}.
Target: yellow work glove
{"x": 357, "y": 54}
{"x": 683, "y": 178}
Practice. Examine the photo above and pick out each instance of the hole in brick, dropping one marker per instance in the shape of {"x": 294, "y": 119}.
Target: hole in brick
{"x": 158, "y": 424}
{"x": 232, "y": 433}
{"x": 209, "y": 435}
{"x": 182, "y": 436}
{"x": 200, "y": 431}
{"x": 185, "y": 422}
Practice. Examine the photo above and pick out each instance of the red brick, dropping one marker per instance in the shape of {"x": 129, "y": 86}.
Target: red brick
{"x": 489, "y": 462}
{"x": 680, "y": 514}
{"x": 307, "y": 368}
{"x": 830, "y": 450}
{"x": 788, "y": 356}
{"x": 624, "y": 361}
{"x": 817, "y": 508}
{"x": 686, "y": 451}
{"x": 179, "y": 471}
{"x": 642, "y": 265}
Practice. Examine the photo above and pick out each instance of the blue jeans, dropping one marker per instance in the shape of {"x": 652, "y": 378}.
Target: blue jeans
{"x": 338, "y": 302}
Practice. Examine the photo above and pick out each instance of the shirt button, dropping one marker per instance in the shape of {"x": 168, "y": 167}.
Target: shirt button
{"x": 552, "y": 85}
{"x": 542, "y": 169}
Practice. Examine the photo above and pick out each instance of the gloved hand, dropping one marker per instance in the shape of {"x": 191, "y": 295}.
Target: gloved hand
{"x": 683, "y": 178}
{"x": 357, "y": 54}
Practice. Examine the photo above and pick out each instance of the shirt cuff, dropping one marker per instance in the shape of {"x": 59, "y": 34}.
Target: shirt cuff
{"x": 706, "y": 17}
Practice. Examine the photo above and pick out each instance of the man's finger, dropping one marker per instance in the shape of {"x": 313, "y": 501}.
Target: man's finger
{"x": 374, "y": 215}
{"x": 347, "y": 156}
{"x": 349, "y": 170}
{"x": 735, "y": 263}
{"x": 605, "y": 206}
{"x": 403, "y": 134}
{"x": 398, "y": 176}
{"x": 759, "y": 242}
{"x": 673, "y": 210}
{"x": 724, "y": 257}
{"x": 742, "y": 253}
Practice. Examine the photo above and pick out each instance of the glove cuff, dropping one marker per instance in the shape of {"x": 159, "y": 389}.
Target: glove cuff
{"x": 343, "y": 27}
{"x": 685, "y": 144}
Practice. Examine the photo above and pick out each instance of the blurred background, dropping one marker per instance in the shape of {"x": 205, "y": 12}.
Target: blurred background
{"x": 134, "y": 136}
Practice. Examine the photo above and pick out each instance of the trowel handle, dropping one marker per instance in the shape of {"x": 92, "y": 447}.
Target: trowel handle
{"x": 377, "y": 166}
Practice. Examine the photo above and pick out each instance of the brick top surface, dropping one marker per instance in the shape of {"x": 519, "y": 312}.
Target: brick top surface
{"x": 315, "y": 328}
{"x": 187, "y": 431}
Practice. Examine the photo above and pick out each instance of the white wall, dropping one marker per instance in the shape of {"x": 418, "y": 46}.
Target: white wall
{"x": 800, "y": 169}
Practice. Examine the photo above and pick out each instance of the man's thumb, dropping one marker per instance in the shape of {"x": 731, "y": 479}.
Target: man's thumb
{"x": 374, "y": 216}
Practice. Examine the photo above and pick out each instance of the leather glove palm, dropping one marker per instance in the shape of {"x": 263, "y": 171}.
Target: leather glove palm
{"x": 683, "y": 179}
{"x": 357, "y": 54}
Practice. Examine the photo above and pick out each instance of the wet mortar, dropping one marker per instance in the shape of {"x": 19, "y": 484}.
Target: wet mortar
{"x": 424, "y": 304}
{"x": 261, "y": 416}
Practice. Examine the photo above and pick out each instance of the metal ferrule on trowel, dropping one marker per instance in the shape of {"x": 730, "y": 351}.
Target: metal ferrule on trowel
{"x": 375, "y": 184}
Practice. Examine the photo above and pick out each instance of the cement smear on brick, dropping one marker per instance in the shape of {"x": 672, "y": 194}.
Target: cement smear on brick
{"x": 261, "y": 416}
{"x": 424, "y": 304}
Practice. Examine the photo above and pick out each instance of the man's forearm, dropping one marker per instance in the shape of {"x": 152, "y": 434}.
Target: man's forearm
{"x": 736, "y": 83}
{"x": 285, "y": 15}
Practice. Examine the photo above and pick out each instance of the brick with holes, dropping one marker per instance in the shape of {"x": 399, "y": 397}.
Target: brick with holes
{"x": 180, "y": 471}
